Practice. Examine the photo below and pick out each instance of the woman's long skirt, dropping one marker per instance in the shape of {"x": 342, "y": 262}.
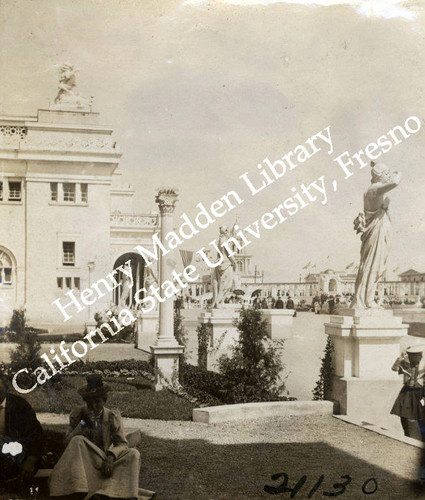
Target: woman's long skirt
{"x": 79, "y": 471}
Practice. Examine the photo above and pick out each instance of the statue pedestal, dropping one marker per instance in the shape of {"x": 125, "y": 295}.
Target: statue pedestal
{"x": 147, "y": 330}
{"x": 166, "y": 354}
{"x": 224, "y": 333}
{"x": 367, "y": 342}
{"x": 279, "y": 322}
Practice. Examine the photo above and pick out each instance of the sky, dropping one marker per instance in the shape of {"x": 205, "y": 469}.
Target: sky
{"x": 200, "y": 92}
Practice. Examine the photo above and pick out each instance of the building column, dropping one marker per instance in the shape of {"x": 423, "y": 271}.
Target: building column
{"x": 60, "y": 192}
{"x": 77, "y": 192}
{"x": 166, "y": 350}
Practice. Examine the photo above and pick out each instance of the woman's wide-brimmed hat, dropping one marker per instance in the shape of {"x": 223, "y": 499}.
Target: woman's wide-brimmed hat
{"x": 95, "y": 387}
{"x": 415, "y": 349}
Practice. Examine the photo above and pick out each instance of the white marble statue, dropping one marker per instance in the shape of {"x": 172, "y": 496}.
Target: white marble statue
{"x": 67, "y": 96}
{"x": 222, "y": 275}
{"x": 375, "y": 228}
{"x": 126, "y": 286}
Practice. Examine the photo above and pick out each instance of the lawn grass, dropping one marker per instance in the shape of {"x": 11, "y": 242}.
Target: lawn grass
{"x": 191, "y": 461}
{"x": 134, "y": 398}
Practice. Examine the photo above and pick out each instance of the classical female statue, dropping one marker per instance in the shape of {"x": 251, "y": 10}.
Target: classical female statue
{"x": 222, "y": 275}
{"x": 375, "y": 226}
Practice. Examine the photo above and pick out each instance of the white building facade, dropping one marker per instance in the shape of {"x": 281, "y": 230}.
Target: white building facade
{"x": 66, "y": 221}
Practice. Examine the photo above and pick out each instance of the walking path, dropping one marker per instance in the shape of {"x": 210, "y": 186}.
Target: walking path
{"x": 189, "y": 460}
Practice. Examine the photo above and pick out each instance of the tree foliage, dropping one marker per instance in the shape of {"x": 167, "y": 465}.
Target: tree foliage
{"x": 254, "y": 368}
{"x": 27, "y": 352}
{"x": 203, "y": 331}
{"x": 323, "y": 385}
{"x": 180, "y": 332}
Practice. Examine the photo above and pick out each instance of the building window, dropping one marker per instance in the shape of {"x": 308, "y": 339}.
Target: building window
{"x": 5, "y": 269}
{"x": 54, "y": 191}
{"x": 7, "y": 275}
{"x": 84, "y": 193}
{"x": 1, "y": 191}
{"x": 60, "y": 282}
{"x": 68, "y": 253}
{"x": 68, "y": 192}
{"x": 15, "y": 191}
{"x": 68, "y": 282}
{"x": 77, "y": 283}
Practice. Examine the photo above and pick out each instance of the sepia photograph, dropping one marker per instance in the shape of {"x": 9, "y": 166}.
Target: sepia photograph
{"x": 212, "y": 249}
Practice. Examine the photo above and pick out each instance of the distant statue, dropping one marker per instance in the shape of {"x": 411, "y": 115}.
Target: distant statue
{"x": 67, "y": 81}
{"x": 375, "y": 228}
{"x": 66, "y": 92}
{"x": 222, "y": 275}
{"x": 149, "y": 279}
{"x": 126, "y": 286}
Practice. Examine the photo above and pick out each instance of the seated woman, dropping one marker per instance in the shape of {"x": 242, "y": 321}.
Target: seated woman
{"x": 97, "y": 461}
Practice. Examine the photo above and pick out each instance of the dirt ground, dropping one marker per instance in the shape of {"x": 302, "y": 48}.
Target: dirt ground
{"x": 187, "y": 460}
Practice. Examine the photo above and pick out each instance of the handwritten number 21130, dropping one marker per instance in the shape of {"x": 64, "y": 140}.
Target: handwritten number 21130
{"x": 369, "y": 486}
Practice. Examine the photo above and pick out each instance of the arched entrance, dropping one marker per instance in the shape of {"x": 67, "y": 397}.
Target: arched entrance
{"x": 8, "y": 285}
{"x": 332, "y": 285}
{"x": 6, "y": 268}
{"x": 137, "y": 265}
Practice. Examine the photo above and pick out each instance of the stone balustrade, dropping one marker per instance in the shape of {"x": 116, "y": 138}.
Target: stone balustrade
{"x": 133, "y": 220}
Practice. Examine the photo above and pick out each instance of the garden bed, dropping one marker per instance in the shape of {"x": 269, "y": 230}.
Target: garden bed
{"x": 134, "y": 397}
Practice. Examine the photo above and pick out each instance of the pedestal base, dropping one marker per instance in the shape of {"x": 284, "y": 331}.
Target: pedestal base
{"x": 147, "y": 330}
{"x": 224, "y": 333}
{"x": 367, "y": 400}
{"x": 366, "y": 345}
{"x": 166, "y": 365}
{"x": 279, "y": 322}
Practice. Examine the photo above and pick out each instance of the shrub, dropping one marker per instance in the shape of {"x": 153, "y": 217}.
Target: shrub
{"x": 323, "y": 385}
{"x": 27, "y": 352}
{"x": 180, "y": 332}
{"x": 121, "y": 367}
{"x": 207, "y": 387}
{"x": 203, "y": 332}
{"x": 253, "y": 371}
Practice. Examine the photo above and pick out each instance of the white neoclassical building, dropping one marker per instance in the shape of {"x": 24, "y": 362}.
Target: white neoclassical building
{"x": 66, "y": 222}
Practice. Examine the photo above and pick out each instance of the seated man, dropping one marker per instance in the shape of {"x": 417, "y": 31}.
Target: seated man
{"x": 20, "y": 439}
{"x": 97, "y": 461}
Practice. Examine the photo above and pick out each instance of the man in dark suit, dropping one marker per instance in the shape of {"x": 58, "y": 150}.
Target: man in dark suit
{"x": 290, "y": 303}
{"x": 20, "y": 438}
{"x": 278, "y": 304}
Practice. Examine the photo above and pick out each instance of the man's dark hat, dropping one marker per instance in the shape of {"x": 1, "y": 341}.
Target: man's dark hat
{"x": 94, "y": 388}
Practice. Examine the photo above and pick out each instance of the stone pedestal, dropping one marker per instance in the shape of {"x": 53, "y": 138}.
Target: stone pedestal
{"x": 166, "y": 364}
{"x": 279, "y": 322}
{"x": 367, "y": 342}
{"x": 147, "y": 330}
{"x": 224, "y": 333}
